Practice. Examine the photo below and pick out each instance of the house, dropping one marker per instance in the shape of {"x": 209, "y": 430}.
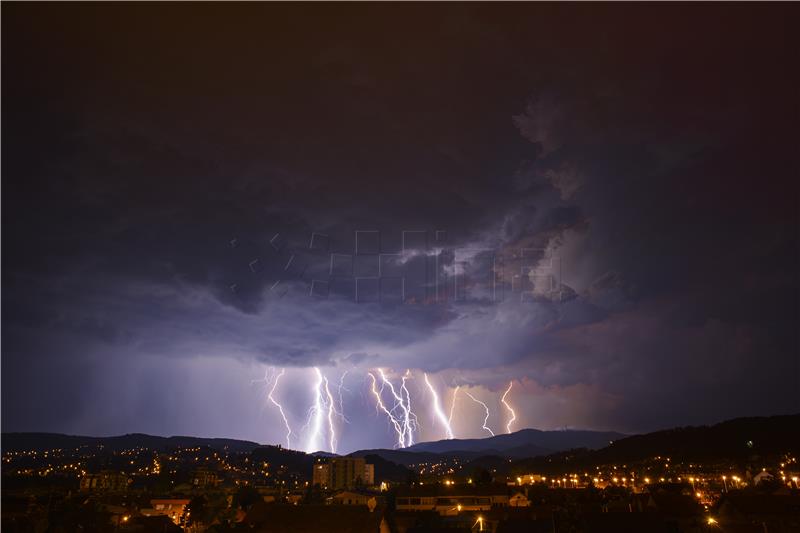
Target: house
{"x": 762, "y": 477}
{"x": 105, "y": 480}
{"x": 204, "y": 478}
{"x": 172, "y": 508}
{"x": 518, "y": 499}
{"x": 294, "y": 499}
{"x": 452, "y": 499}
{"x": 349, "y": 497}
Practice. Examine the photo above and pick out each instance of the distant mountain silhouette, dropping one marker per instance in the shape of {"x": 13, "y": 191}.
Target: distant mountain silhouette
{"x": 49, "y": 441}
{"x": 735, "y": 439}
{"x": 404, "y": 457}
{"x": 523, "y": 443}
{"x": 741, "y": 441}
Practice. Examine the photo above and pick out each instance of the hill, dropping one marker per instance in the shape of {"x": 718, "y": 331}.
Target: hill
{"x": 733, "y": 439}
{"x": 740, "y": 441}
{"x": 49, "y": 441}
{"x": 523, "y": 443}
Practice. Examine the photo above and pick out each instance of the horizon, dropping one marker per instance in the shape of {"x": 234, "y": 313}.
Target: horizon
{"x": 360, "y": 226}
{"x": 278, "y": 444}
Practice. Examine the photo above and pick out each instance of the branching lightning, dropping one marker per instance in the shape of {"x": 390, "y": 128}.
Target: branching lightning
{"x": 437, "y": 409}
{"x": 409, "y": 418}
{"x": 331, "y": 411}
{"x": 513, "y": 414}
{"x": 379, "y": 405}
{"x": 323, "y": 406}
{"x": 404, "y": 421}
{"x": 486, "y": 419}
{"x": 315, "y": 415}
{"x": 280, "y": 408}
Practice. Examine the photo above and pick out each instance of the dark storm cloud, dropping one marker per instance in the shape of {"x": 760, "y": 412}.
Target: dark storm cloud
{"x": 153, "y": 154}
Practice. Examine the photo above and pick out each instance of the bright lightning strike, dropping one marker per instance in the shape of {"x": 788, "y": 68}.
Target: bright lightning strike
{"x": 503, "y": 399}
{"x": 380, "y": 405}
{"x": 331, "y": 412}
{"x": 437, "y": 409}
{"x": 341, "y": 386}
{"x": 486, "y": 419}
{"x": 407, "y": 420}
{"x": 280, "y": 408}
{"x": 453, "y": 405}
{"x": 412, "y": 419}
{"x": 315, "y": 415}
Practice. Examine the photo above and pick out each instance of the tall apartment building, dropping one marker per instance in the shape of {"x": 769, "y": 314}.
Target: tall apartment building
{"x": 344, "y": 473}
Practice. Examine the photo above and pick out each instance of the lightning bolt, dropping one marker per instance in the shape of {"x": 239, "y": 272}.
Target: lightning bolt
{"x": 380, "y": 405}
{"x": 341, "y": 386}
{"x": 453, "y": 405}
{"x": 280, "y": 408}
{"x": 315, "y": 414}
{"x": 410, "y": 417}
{"x": 437, "y": 409}
{"x": 474, "y": 399}
{"x": 503, "y": 399}
{"x": 407, "y": 419}
{"x": 331, "y": 412}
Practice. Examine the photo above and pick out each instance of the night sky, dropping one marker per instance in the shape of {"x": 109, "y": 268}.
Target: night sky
{"x": 597, "y": 203}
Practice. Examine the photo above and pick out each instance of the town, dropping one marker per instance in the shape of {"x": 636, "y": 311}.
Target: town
{"x": 210, "y": 488}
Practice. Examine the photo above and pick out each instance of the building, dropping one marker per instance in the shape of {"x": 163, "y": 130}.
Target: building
{"x": 518, "y": 500}
{"x": 763, "y": 476}
{"x": 452, "y": 499}
{"x": 349, "y": 497}
{"x": 321, "y": 475}
{"x": 203, "y": 478}
{"x": 343, "y": 473}
{"x": 172, "y": 508}
{"x": 106, "y": 480}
